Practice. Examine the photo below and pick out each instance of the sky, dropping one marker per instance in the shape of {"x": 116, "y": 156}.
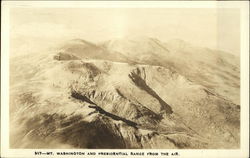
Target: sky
{"x": 37, "y": 28}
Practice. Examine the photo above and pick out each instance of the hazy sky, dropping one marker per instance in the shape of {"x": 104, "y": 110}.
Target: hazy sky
{"x": 40, "y": 27}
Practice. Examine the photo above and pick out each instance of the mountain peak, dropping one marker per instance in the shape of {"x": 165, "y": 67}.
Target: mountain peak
{"x": 79, "y": 41}
{"x": 179, "y": 43}
{"x": 134, "y": 38}
{"x": 134, "y": 45}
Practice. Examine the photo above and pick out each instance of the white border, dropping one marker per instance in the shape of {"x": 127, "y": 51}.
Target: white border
{"x": 242, "y": 5}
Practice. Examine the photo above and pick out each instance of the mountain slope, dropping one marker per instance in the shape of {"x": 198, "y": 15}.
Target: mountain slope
{"x": 79, "y": 98}
{"x": 216, "y": 70}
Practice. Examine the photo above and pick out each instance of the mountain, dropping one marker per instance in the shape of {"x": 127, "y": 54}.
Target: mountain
{"x": 125, "y": 93}
{"x": 87, "y": 50}
{"x": 136, "y": 47}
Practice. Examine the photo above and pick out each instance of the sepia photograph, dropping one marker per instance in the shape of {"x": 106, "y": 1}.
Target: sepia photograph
{"x": 125, "y": 77}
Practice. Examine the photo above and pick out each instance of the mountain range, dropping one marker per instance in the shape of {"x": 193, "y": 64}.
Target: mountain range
{"x": 127, "y": 93}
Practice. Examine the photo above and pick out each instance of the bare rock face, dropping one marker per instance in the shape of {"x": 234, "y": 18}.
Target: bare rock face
{"x": 84, "y": 98}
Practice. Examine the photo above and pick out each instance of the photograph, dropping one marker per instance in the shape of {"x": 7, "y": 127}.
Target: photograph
{"x": 122, "y": 77}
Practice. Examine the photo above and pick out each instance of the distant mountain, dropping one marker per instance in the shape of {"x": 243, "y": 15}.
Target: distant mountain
{"x": 136, "y": 47}
{"x": 84, "y": 49}
{"x": 214, "y": 69}
{"x": 135, "y": 92}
